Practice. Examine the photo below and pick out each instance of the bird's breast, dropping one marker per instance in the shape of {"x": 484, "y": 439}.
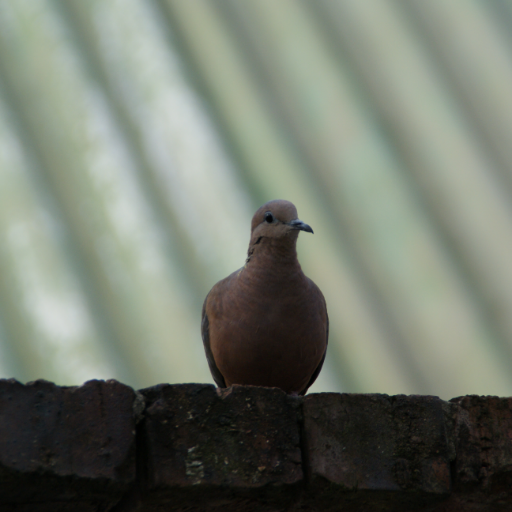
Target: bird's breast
{"x": 267, "y": 331}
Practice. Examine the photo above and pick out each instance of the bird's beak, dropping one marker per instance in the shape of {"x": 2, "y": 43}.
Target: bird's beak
{"x": 298, "y": 224}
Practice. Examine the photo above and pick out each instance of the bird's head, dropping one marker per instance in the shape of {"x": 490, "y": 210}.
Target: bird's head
{"x": 277, "y": 220}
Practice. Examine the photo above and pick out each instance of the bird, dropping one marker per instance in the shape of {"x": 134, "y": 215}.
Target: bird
{"x": 266, "y": 324}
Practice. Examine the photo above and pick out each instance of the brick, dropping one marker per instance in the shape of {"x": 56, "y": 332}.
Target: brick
{"x": 235, "y": 449}
{"x": 376, "y": 452}
{"x": 70, "y": 448}
{"x": 483, "y": 441}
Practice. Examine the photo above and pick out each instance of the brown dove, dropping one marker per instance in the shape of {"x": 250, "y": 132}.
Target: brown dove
{"x": 266, "y": 324}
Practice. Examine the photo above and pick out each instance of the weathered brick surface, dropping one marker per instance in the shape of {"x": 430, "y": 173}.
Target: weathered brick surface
{"x": 236, "y": 449}
{"x": 56, "y": 506}
{"x": 65, "y": 448}
{"x": 249, "y": 449}
{"x": 376, "y": 452}
{"x": 482, "y": 476}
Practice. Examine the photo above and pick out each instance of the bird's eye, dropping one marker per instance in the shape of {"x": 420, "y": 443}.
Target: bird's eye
{"x": 269, "y": 217}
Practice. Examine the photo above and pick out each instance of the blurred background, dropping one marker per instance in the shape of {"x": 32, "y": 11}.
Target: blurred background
{"x": 137, "y": 138}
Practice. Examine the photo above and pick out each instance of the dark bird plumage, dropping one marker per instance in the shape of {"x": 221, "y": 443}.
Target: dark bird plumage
{"x": 266, "y": 324}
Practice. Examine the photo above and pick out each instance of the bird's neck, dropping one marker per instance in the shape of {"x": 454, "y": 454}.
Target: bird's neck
{"x": 273, "y": 255}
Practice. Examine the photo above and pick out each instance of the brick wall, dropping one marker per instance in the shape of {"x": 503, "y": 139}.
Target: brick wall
{"x": 104, "y": 447}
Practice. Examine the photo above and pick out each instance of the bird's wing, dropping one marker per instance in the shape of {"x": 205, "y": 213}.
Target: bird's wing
{"x": 205, "y": 333}
{"x": 321, "y": 363}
